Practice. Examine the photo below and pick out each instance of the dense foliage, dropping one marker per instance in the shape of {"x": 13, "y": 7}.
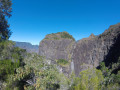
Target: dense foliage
{"x": 111, "y": 79}
{"x": 10, "y": 59}
{"x": 7, "y": 67}
{"x": 5, "y": 11}
{"x": 5, "y": 7}
{"x": 66, "y": 35}
{"x": 90, "y": 79}
{"x": 62, "y": 62}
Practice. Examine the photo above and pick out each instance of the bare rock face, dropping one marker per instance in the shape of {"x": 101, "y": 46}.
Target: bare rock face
{"x": 91, "y": 51}
{"x": 57, "y": 46}
{"x": 83, "y": 54}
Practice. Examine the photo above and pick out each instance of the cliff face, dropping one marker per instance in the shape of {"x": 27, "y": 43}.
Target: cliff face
{"x": 91, "y": 51}
{"x": 85, "y": 53}
{"x": 56, "y": 47}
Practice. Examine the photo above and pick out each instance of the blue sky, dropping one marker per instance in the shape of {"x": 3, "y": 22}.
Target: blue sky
{"x": 33, "y": 19}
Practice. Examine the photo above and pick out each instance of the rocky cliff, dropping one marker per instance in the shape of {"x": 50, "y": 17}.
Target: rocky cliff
{"x": 89, "y": 52}
{"x": 57, "y": 48}
{"x": 85, "y": 53}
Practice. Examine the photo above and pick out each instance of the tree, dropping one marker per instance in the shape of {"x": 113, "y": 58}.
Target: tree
{"x": 5, "y": 11}
{"x": 90, "y": 79}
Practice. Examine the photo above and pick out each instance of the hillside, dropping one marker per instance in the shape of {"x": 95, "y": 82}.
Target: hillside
{"x": 28, "y": 46}
{"x": 59, "y": 62}
{"x": 91, "y": 63}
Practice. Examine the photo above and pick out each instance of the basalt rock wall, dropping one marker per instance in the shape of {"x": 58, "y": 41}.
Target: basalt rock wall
{"x": 57, "y": 47}
{"x": 91, "y": 51}
{"x": 85, "y": 53}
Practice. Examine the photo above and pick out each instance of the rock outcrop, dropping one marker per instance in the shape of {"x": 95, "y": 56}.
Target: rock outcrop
{"x": 91, "y": 51}
{"x": 56, "y": 47}
{"x": 85, "y": 53}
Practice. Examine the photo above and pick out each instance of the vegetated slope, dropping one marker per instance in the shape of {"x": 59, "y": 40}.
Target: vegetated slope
{"x": 87, "y": 52}
{"x": 28, "y": 46}
{"x": 26, "y": 71}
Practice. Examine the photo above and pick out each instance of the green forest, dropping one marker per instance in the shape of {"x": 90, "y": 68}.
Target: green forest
{"x": 20, "y": 70}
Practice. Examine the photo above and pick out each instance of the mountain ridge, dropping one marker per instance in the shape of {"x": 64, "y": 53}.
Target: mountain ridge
{"x": 28, "y": 46}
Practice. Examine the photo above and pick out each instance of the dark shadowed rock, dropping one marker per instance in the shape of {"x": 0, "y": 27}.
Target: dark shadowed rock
{"x": 90, "y": 52}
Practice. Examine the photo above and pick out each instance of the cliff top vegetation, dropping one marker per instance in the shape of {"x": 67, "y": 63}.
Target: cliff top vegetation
{"x": 59, "y": 36}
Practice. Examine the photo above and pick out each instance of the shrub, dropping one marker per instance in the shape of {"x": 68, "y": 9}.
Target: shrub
{"x": 90, "y": 79}
{"x": 7, "y": 67}
{"x": 66, "y": 35}
{"x": 62, "y": 62}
